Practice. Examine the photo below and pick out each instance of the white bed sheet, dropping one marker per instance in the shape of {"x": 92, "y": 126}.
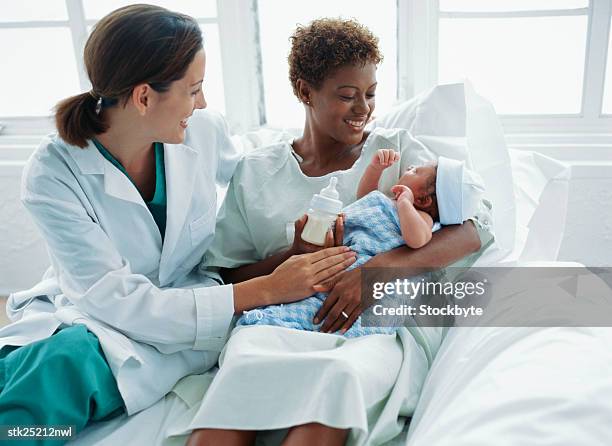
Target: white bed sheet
{"x": 502, "y": 386}
{"x": 518, "y": 386}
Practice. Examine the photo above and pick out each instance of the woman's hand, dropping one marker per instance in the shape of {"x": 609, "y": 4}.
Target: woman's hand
{"x": 343, "y": 300}
{"x": 333, "y": 238}
{"x": 303, "y": 275}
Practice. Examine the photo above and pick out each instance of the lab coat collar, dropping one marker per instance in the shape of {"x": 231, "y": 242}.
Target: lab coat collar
{"x": 88, "y": 159}
{"x": 91, "y": 162}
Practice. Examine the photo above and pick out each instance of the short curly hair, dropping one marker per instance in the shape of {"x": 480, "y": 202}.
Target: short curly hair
{"x": 325, "y": 45}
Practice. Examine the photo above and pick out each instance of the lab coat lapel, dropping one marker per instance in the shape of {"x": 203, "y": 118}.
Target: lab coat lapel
{"x": 181, "y": 166}
{"x": 91, "y": 162}
{"x": 118, "y": 185}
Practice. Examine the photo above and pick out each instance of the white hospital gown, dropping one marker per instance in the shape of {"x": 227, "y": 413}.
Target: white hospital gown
{"x": 273, "y": 377}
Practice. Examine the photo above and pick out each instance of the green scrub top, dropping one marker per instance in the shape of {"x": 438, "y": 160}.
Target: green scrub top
{"x": 157, "y": 206}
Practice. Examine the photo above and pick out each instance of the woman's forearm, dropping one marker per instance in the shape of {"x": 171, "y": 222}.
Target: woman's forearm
{"x": 447, "y": 245}
{"x": 261, "y": 268}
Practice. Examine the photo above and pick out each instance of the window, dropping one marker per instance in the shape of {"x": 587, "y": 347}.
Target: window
{"x": 540, "y": 62}
{"x": 277, "y": 21}
{"x": 35, "y": 39}
{"x": 43, "y": 43}
{"x": 545, "y": 64}
{"x": 525, "y": 65}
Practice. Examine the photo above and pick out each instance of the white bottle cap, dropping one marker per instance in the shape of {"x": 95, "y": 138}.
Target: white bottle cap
{"x": 327, "y": 199}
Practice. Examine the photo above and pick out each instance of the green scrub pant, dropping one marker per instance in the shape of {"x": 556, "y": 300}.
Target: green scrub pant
{"x": 62, "y": 380}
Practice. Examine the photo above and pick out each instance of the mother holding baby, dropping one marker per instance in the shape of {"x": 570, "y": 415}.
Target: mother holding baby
{"x": 324, "y": 388}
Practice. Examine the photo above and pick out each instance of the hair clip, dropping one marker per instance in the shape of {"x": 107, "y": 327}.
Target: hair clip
{"x": 98, "y": 99}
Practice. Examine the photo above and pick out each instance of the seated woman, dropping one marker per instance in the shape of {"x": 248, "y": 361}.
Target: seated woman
{"x": 324, "y": 388}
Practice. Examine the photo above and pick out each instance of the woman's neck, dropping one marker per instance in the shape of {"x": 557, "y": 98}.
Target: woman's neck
{"x": 125, "y": 140}
{"x": 322, "y": 151}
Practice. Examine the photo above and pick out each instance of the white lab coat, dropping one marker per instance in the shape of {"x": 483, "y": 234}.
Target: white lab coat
{"x": 156, "y": 318}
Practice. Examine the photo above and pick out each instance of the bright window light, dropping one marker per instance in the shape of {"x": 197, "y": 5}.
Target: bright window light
{"x": 277, "y": 21}
{"x": 509, "y": 5}
{"x": 96, "y": 9}
{"x": 26, "y": 10}
{"x": 530, "y": 65}
{"x": 607, "y": 99}
{"x": 213, "y": 79}
{"x": 43, "y": 70}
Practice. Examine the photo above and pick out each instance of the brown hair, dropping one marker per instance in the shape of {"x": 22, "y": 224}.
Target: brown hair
{"x": 130, "y": 46}
{"x": 325, "y": 45}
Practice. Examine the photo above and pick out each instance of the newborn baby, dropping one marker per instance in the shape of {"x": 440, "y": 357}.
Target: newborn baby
{"x": 445, "y": 192}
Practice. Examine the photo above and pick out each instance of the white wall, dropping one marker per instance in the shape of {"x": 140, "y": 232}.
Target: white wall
{"x": 588, "y": 235}
{"x": 23, "y": 256}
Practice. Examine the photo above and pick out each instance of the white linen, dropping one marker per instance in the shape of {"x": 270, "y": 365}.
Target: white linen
{"x": 544, "y": 386}
{"x": 541, "y": 187}
{"x": 517, "y": 385}
{"x": 109, "y": 271}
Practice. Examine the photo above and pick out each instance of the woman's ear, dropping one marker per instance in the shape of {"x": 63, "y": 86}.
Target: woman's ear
{"x": 304, "y": 91}
{"x": 141, "y": 98}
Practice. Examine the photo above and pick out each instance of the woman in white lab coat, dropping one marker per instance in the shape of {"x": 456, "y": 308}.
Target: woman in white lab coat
{"x": 127, "y": 206}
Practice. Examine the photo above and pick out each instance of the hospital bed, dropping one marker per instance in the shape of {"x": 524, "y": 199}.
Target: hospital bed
{"x": 487, "y": 385}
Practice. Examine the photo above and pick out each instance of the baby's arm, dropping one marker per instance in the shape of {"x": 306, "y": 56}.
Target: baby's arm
{"x": 415, "y": 224}
{"x": 382, "y": 159}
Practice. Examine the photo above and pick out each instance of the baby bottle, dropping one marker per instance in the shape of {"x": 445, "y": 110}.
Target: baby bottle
{"x": 324, "y": 209}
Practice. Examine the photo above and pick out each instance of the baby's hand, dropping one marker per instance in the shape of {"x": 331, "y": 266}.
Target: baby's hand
{"x": 384, "y": 158}
{"x": 403, "y": 192}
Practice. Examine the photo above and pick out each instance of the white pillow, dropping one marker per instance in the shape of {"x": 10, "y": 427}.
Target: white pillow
{"x": 541, "y": 187}
{"x": 453, "y": 121}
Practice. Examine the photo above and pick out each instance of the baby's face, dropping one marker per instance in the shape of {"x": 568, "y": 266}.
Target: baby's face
{"x": 421, "y": 180}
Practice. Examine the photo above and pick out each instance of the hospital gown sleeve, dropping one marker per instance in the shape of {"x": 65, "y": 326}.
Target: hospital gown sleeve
{"x": 228, "y": 155}
{"x": 95, "y": 277}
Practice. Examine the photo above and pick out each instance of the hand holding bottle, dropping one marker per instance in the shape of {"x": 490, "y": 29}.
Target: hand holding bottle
{"x": 323, "y": 212}
{"x": 334, "y": 237}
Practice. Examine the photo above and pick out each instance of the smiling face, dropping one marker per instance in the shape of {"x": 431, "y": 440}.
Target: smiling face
{"x": 343, "y": 104}
{"x": 171, "y": 109}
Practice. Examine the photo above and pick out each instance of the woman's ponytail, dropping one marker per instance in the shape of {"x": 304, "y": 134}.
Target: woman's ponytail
{"x": 77, "y": 121}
